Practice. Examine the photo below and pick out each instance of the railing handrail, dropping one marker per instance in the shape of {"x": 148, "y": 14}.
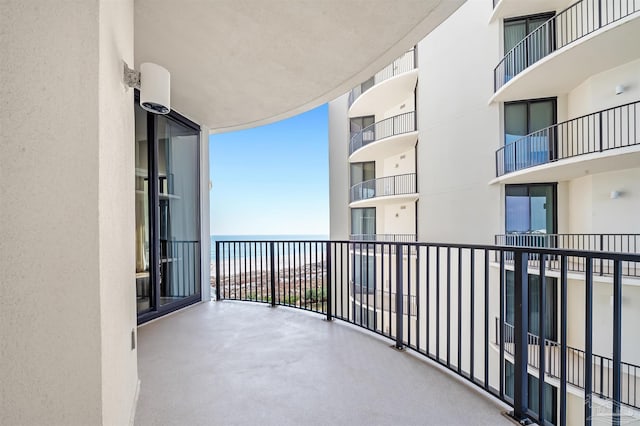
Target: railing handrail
{"x": 591, "y": 114}
{"x": 353, "y": 97}
{"x": 353, "y": 142}
{"x": 523, "y": 238}
{"x": 533, "y": 234}
{"x": 549, "y": 132}
{"x": 552, "y": 25}
{"x": 383, "y": 237}
{"x": 554, "y": 343}
{"x": 405, "y": 185}
{"x": 382, "y": 178}
{"x": 552, "y": 370}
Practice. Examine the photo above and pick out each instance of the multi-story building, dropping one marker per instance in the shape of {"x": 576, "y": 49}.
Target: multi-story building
{"x": 104, "y": 207}
{"x": 524, "y": 131}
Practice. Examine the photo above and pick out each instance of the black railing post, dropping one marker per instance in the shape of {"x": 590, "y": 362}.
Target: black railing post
{"x": 599, "y": 13}
{"x": 542, "y": 342}
{"x": 563, "y": 341}
{"x": 601, "y": 249}
{"x": 329, "y": 280}
{"x": 588, "y": 341}
{"x": 521, "y": 316}
{"x": 600, "y": 131}
{"x": 218, "y": 271}
{"x": 272, "y": 273}
{"x": 399, "y": 301}
{"x": 617, "y": 340}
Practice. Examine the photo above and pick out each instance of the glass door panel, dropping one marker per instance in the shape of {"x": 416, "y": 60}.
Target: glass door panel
{"x": 144, "y": 289}
{"x": 542, "y": 209}
{"x": 179, "y": 206}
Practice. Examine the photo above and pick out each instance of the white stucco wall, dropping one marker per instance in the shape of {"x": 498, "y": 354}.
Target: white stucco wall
{"x": 598, "y": 92}
{"x": 116, "y": 220}
{"x": 67, "y": 216}
{"x": 397, "y": 165}
{"x": 396, "y": 218}
{"x": 339, "y": 216}
{"x": 459, "y": 131}
{"x": 592, "y": 210}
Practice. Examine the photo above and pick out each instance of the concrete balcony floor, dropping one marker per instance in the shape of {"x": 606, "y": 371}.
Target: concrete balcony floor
{"x": 242, "y": 363}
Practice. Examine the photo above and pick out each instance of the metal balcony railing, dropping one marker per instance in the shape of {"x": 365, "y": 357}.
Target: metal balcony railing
{"x": 392, "y": 126}
{"x": 612, "y": 128}
{"x": 614, "y": 243}
{"x": 449, "y": 296}
{"x": 404, "y": 63}
{"x": 394, "y": 238}
{"x": 602, "y": 379}
{"x": 384, "y": 186}
{"x": 576, "y": 21}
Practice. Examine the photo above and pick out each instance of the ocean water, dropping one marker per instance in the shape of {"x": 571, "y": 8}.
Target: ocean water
{"x": 239, "y": 250}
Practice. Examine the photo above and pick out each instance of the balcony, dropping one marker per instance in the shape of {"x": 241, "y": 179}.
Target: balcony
{"x": 615, "y": 243}
{"x": 389, "y": 87}
{"x": 559, "y": 55}
{"x": 385, "y": 138}
{"x": 601, "y": 366}
{"x": 393, "y": 238}
{"x": 602, "y": 141}
{"x": 382, "y": 190}
{"x": 451, "y": 296}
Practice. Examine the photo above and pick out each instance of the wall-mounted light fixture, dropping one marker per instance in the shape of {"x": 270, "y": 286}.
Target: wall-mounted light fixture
{"x": 615, "y": 195}
{"x": 154, "y": 83}
{"x": 619, "y": 89}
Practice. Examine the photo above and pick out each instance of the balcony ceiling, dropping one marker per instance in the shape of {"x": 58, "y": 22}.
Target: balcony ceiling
{"x": 241, "y": 63}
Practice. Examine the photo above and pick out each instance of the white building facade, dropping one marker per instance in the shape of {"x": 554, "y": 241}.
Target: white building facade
{"x": 527, "y": 133}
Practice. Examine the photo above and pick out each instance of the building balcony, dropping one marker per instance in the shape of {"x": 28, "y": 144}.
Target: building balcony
{"x": 599, "y": 142}
{"x": 389, "y": 87}
{"x": 394, "y": 238}
{"x": 567, "y": 49}
{"x": 614, "y": 243}
{"x": 383, "y": 190}
{"x": 385, "y": 138}
{"x": 602, "y": 378}
{"x": 450, "y": 297}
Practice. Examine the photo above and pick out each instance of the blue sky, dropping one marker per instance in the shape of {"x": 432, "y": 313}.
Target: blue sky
{"x": 273, "y": 179}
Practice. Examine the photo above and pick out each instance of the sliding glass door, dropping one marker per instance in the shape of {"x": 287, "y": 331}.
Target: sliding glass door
{"x": 167, "y": 213}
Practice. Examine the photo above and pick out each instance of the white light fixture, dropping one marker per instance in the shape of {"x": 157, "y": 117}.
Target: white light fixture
{"x": 614, "y": 195}
{"x": 154, "y": 83}
{"x": 619, "y": 89}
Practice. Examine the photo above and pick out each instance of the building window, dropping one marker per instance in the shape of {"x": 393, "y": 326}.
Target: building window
{"x": 364, "y": 272}
{"x": 524, "y": 118}
{"x": 530, "y": 209}
{"x": 357, "y": 124}
{"x": 363, "y": 222}
{"x": 533, "y": 49}
{"x": 361, "y": 172}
